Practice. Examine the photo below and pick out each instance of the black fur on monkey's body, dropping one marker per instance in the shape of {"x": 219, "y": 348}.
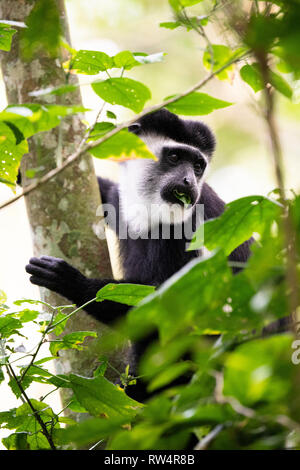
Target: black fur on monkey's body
{"x": 183, "y": 149}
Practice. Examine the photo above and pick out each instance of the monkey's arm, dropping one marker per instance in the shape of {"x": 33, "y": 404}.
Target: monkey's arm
{"x": 213, "y": 204}
{"x": 59, "y": 276}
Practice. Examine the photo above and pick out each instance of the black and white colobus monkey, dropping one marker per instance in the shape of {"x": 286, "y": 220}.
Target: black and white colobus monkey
{"x": 183, "y": 149}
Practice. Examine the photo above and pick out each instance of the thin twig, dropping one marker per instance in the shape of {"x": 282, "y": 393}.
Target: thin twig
{"x": 36, "y": 415}
{"x": 96, "y": 445}
{"x": 34, "y": 355}
{"x": 233, "y": 402}
{"x": 287, "y": 222}
{"x": 204, "y": 443}
{"x": 51, "y": 327}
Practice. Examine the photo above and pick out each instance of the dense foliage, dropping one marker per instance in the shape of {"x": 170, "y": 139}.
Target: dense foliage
{"x": 243, "y": 388}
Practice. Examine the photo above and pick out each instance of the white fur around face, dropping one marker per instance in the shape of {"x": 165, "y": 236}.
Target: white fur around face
{"x": 140, "y": 211}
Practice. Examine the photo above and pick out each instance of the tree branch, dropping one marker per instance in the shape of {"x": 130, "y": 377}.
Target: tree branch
{"x": 84, "y": 146}
{"x": 287, "y": 222}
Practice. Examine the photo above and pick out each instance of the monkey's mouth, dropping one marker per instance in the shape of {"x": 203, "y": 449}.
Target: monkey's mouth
{"x": 182, "y": 197}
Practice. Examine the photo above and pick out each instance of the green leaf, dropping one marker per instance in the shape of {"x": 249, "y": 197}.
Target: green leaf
{"x": 60, "y": 381}
{"x": 123, "y": 91}
{"x": 122, "y": 146}
{"x": 260, "y": 371}
{"x": 33, "y": 118}
{"x": 159, "y": 358}
{"x": 71, "y": 341}
{"x": 6, "y": 34}
{"x": 45, "y": 359}
{"x": 1, "y": 375}
{"x": 27, "y": 315}
{"x": 59, "y": 90}
{"x": 126, "y": 60}
{"x": 8, "y": 183}
{"x": 100, "y": 129}
{"x": 91, "y": 62}
{"x": 11, "y": 154}
{"x": 177, "y": 304}
{"x": 25, "y": 384}
{"x": 251, "y": 75}
{"x": 8, "y": 326}
{"x": 129, "y": 294}
{"x": 283, "y": 66}
{"x": 94, "y": 62}
{"x": 66, "y": 420}
{"x": 178, "y": 5}
{"x": 25, "y": 421}
{"x": 8, "y": 419}
{"x": 102, "y": 398}
{"x": 74, "y": 405}
{"x": 31, "y": 302}
{"x": 168, "y": 375}
{"x": 3, "y": 297}
{"x": 58, "y": 330}
{"x": 101, "y": 369}
{"x": 241, "y": 218}
{"x": 43, "y": 30}
{"x": 111, "y": 115}
{"x": 16, "y": 441}
{"x": 36, "y": 369}
{"x": 216, "y": 57}
{"x": 281, "y": 85}
{"x": 170, "y": 24}
{"x": 196, "y": 104}
{"x": 90, "y": 430}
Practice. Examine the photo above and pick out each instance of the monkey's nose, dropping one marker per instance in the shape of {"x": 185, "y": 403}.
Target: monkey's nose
{"x": 186, "y": 181}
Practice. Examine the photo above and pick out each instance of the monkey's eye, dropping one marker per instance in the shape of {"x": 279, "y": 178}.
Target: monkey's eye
{"x": 173, "y": 158}
{"x": 200, "y": 166}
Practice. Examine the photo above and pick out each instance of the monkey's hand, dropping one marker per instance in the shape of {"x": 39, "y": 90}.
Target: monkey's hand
{"x": 58, "y": 276}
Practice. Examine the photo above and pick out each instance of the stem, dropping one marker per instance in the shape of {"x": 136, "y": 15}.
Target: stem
{"x": 201, "y": 31}
{"x": 34, "y": 355}
{"x": 51, "y": 327}
{"x": 84, "y": 147}
{"x": 287, "y": 222}
{"x": 35, "y": 412}
{"x": 204, "y": 443}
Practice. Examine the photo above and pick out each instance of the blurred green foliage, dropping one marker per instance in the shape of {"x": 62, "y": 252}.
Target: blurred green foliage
{"x": 212, "y": 325}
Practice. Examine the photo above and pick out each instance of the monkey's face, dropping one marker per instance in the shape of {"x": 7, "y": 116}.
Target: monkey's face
{"x": 181, "y": 168}
{"x": 177, "y": 175}
{"x": 171, "y": 185}
{"x": 166, "y": 188}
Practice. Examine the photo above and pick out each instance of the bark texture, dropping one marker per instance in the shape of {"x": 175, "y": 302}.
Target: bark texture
{"x": 62, "y": 213}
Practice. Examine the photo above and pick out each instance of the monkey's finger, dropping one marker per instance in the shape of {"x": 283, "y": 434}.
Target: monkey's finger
{"x": 43, "y": 282}
{"x": 41, "y": 272}
{"x": 39, "y": 262}
{"x": 49, "y": 262}
{"x": 51, "y": 258}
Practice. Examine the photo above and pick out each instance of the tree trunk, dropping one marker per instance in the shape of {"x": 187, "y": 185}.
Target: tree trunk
{"x": 62, "y": 212}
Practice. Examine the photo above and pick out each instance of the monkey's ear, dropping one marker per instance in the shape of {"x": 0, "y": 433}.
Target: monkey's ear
{"x": 135, "y": 128}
